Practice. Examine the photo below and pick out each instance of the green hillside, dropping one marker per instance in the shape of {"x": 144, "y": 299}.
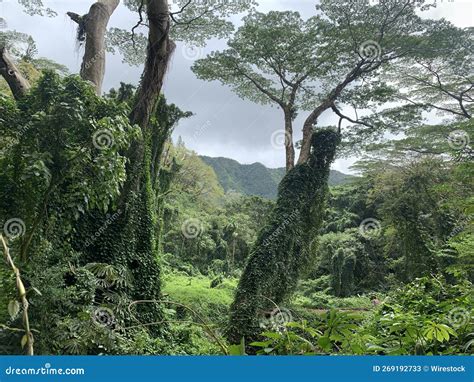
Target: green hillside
{"x": 255, "y": 178}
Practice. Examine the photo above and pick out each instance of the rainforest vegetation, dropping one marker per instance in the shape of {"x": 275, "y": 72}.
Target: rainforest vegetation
{"x": 118, "y": 239}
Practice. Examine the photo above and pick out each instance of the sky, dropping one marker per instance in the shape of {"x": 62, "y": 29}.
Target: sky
{"x": 223, "y": 124}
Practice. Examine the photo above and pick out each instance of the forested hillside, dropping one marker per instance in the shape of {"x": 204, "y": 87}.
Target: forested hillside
{"x": 119, "y": 240}
{"x": 255, "y": 178}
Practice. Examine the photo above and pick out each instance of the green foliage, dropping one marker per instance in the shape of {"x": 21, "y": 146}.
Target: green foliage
{"x": 282, "y": 247}
{"x": 196, "y": 292}
{"x": 193, "y": 23}
{"x": 51, "y": 145}
{"x": 428, "y": 316}
{"x": 343, "y": 267}
{"x": 256, "y": 179}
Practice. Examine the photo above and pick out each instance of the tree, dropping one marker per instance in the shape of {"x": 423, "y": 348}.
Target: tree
{"x": 130, "y": 240}
{"x": 92, "y": 28}
{"x": 271, "y": 59}
{"x": 344, "y": 50}
{"x": 283, "y": 245}
{"x": 442, "y": 81}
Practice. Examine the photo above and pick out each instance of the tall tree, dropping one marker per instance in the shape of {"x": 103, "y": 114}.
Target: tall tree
{"x": 282, "y": 248}
{"x": 327, "y": 62}
{"x": 130, "y": 240}
{"x": 273, "y": 58}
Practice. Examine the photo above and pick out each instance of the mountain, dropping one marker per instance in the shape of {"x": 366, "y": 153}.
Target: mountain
{"x": 255, "y": 178}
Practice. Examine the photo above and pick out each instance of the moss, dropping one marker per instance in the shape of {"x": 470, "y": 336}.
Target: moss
{"x": 282, "y": 247}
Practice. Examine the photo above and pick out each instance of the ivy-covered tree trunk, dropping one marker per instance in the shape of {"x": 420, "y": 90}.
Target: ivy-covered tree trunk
{"x": 132, "y": 240}
{"x": 283, "y": 246}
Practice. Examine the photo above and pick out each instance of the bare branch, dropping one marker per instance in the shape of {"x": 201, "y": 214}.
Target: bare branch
{"x": 18, "y": 84}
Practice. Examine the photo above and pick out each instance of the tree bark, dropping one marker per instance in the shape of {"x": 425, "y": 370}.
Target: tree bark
{"x": 159, "y": 50}
{"x": 18, "y": 84}
{"x": 308, "y": 129}
{"x": 322, "y": 107}
{"x": 94, "y": 26}
{"x": 289, "y": 147}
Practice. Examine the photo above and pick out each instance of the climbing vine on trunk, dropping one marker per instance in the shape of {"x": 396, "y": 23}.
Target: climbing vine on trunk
{"x": 283, "y": 245}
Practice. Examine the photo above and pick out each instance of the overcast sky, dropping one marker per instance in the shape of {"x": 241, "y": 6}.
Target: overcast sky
{"x": 224, "y": 124}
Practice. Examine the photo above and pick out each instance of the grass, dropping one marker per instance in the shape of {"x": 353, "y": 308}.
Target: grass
{"x": 195, "y": 292}
{"x": 321, "y": 300}
{"x": 213, "y": 303}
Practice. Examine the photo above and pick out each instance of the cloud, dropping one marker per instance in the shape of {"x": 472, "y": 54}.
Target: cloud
{"x": 223, "y": 125}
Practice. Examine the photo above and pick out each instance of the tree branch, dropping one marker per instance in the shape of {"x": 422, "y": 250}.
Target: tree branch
{"x": 94, "y": 25}
{"x": 22, "y": 293}
{"x": 18, "y": 84}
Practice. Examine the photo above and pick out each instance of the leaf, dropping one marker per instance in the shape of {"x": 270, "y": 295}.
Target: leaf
{"x": 324, "y": 343}
{"x": 37, "y": 291}
{"x": 237, "y": 349}
{"x": 13, "y": 308}
{"x": 273, "y": 335}
{"x": 261, "y": 344}
{"x": 24, "y": 340}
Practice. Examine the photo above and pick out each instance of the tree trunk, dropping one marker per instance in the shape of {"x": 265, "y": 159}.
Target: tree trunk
{"x": 283, "y": 247}
{"x": 18, "y": 84}
{"x": 93, "y": 26}
{"x": 133, "y": 241}
{"x": 308, "y": 130}
{"x": 326, "y": 104}
{"x": 289, "y": 147}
